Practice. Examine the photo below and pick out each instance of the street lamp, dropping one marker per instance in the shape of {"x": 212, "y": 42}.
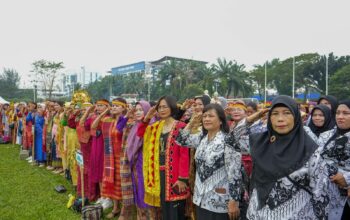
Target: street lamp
{"x": 35, "y": 89}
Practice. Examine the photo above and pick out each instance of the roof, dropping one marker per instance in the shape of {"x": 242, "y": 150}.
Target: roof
{"x": 176, "y": 59}
{"x": 3, "y": 101}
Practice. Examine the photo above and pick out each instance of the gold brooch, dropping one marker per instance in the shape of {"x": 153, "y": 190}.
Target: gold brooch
{"x": 272, "y": 138}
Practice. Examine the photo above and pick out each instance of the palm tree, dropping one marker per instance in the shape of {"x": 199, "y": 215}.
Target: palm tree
{"x": 232, "y": 76}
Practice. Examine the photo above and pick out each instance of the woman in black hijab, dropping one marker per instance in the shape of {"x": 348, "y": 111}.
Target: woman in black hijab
{"x": 335, "y": 145}
{"x": 330, "y": 101}
{"x": 321, "y": 121}
{"x": 288, "y": 180}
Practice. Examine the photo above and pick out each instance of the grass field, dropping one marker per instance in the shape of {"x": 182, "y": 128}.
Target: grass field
{"x": 27, "y": 192}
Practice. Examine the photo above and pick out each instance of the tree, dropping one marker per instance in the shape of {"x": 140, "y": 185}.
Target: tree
{"x": 339, "y": 83}
{"x": 234, "y": 79}
{"x": 9, "y": 81}
{"x": 47, "y": 72}
{"x": 257, "y": 76}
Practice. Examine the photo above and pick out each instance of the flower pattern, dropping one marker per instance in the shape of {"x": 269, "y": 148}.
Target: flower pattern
{"x": 301, "y": 195}
{"x": 336, "y": 153}
{"x": 218, "y": 165}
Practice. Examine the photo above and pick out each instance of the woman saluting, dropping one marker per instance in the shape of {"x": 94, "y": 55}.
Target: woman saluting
{"x": 289, "y": 177}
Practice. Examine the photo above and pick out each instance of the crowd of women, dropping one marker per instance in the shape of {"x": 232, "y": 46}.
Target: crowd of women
{"x": 204, "y": 159}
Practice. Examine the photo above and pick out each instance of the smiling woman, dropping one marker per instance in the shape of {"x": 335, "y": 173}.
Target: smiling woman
{"x": 289, "y": 179}
{"x": 335, "y": 145}
{"x": 217, "y": 188}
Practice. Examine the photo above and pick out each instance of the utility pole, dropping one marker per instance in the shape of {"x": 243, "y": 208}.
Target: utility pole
{"x": 326, "y": 75}
{"x": 265, "y": 83}
{"x": 83, "y": 80}
{"x": 293, "y": 77}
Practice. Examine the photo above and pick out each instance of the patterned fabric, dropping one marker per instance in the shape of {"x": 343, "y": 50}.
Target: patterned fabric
{"x": 151, "y": 163}
{"x": 336, "y": 153}
{"x": 136, "y": 163}
{"x": 302, "y": 195}
{"x": 218, "y": 165}
{"x": 257, "y": 127}
{"x": 112, "y": 189}
{"x": 241, "y": 132}
{"x": 72, "y": 146}
{"x": 310, "y": 133}
{"x": 28, "y": 131}
{"x": 107, "y": 125}
{"x": 125, "y": 171}
{"x": 60, "y": 136}
{"x": 176, "y": 164}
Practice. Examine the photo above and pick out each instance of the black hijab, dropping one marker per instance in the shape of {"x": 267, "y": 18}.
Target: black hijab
{"x": 332, "y": 100}
{"x": 347, "y": 103}
{"x": 329, "y": 121}
{"x": 273, "y": 160}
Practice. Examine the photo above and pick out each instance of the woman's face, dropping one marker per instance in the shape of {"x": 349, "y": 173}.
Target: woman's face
{"x": 117, "y": 109}
{"x": 57, "y": 107}
{"x": 318, "y": 118}
{"x": 250, "y": 111}
{"x": 139, "y": 114}
{"x": 100, "y": 108}
{"x": 302, "y": 108}
{"x": 282, "y": 120}
{"x": 198, "y": 106}
{"x": 237, "y": 114}
{"x": 343, "y": 117}
{"x": 326, "y": 102}
{"x": 40, "y": 110}
{"x": 211, "y": 120}
{"x": 163, "y": 109}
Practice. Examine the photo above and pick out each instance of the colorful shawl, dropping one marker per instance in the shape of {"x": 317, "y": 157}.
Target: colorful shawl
{"x": 151, "y": 163}
{"x": 108, "y": 124}
{"x": 125, "y": 170}
{"x": 134, "y": 141}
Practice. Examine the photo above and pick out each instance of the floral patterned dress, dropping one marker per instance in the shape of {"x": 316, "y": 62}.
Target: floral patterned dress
{"x": 336, "y": 153}
{"x": 301, "y": 195}
{"x": 218, "y": 166}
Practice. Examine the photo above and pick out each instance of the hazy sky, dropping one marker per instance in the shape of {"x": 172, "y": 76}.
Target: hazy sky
{"x": 104, "y": 34}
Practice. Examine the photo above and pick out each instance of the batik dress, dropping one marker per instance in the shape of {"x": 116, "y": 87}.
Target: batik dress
{"x": 218, "y": 170}
{"x": 301, "y": 195}
{"x": 336, "y": 152}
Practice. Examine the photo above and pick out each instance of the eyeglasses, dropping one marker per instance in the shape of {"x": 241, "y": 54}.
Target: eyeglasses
{"x": 235, "y": 110}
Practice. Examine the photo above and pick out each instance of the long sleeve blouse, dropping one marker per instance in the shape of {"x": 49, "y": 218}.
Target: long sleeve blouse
{"x": 301, "y": 195}
{"x": 218, "y": 170}
{"x": 335, "y": 149}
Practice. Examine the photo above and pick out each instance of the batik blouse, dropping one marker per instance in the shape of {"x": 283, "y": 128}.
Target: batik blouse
{"x": 301, "y": 195}
{"x": 218, "y": 170}
{"x": 336, "y": 153}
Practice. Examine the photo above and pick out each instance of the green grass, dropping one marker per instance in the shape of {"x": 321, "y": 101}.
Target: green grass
{"x": 27, "y": 192}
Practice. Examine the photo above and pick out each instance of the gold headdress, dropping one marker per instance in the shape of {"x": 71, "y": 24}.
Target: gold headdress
{"x": 80, "y": 96}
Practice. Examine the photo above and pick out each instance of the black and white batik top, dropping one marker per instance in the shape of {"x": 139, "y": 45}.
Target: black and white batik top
{"x": 336, "y": 154}
{"x": 311, "y": 134}
{"x": 218, "y": 170}
{"x": 301, "y": 195}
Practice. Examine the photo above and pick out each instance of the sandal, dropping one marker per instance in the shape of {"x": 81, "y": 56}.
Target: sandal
{"x": 112, "y": 214}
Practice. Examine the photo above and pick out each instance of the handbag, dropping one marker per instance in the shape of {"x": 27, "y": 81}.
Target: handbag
{"x": 78, "y": 203}
{"x": 92, "y": 212}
